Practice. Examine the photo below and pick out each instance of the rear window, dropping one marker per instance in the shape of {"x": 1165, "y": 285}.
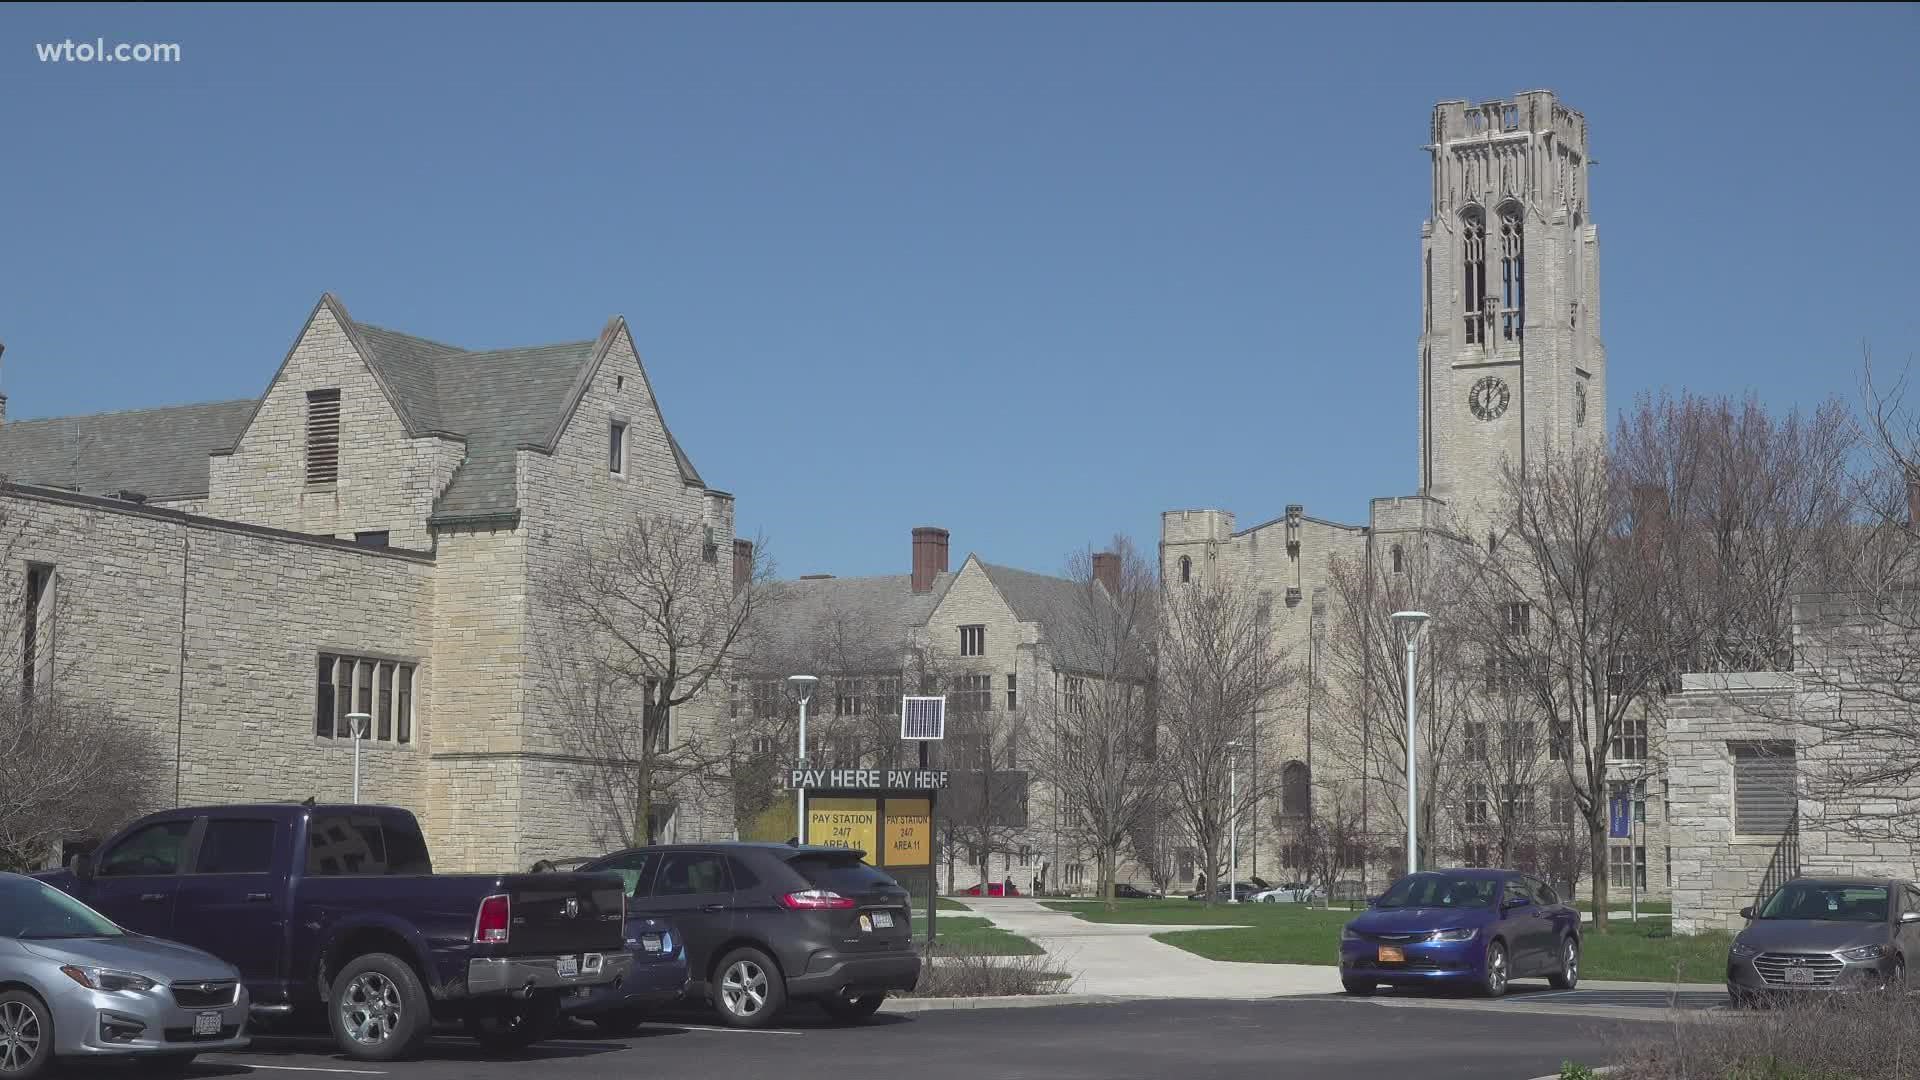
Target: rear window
{"x": 843, "y": 874}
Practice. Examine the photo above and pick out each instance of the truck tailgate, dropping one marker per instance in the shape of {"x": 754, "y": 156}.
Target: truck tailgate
{"x": 556, "y": 914}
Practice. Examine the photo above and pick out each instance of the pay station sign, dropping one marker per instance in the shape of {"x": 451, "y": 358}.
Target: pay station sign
{"x": 867, "y": 779}
{"x": 909, "y": 827}
{"x": 844, "y": 823}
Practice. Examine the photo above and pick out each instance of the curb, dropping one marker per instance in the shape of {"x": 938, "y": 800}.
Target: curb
{"x": 1018, "y": 1001}
{"x": 1605, "y": 1071}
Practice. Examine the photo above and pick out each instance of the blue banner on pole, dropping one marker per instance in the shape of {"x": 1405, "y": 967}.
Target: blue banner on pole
{"x": 1619, "y": 818}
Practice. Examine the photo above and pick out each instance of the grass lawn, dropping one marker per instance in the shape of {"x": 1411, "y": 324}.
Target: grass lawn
{"x": 974, "y": 934}
{"x": 1298, "y": 934}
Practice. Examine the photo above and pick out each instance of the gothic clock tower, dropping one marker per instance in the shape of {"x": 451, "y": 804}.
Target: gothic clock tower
{"x": 1511, "y": 363}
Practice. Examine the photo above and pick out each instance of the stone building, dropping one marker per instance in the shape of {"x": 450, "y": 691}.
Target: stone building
{"x": 1509, "y": 363}
{"x": 237, "y": 577}
{"x": 1000, "y": 643}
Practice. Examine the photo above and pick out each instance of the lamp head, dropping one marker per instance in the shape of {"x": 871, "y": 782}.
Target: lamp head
{"x": 1414, "y": 621}
{"x": 801, "y": 686}
{"x": 358, "y": 723}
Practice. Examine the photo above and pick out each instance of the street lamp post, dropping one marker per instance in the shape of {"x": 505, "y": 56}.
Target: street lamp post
{"x": 801, "y": 686}
{"x": 357, "y": 723}
{"x": 1233, "y": 822}
{"x": 1416, "y": 624}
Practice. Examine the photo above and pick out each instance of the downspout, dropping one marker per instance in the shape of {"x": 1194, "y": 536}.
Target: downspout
{"x": 180, "y": 689}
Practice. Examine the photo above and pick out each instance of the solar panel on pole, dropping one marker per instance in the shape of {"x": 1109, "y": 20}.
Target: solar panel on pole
{"x": 923, "y": 719}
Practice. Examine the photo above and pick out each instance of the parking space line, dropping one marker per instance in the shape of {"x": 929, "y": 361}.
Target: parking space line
{"x": 305, "y": 1068}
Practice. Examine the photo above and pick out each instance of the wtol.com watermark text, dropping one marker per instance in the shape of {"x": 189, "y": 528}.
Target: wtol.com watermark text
{"x": 98, "y": 51}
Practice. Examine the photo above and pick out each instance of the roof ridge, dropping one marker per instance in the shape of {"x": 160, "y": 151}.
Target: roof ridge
{"x": 414, "y": 337}
{"x": 128, "y": 412}
{"x": 526, "y": 348}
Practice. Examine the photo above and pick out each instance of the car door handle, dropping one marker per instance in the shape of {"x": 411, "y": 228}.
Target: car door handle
{"x": 713, "y": 908}
{"x": 258, "y": 897}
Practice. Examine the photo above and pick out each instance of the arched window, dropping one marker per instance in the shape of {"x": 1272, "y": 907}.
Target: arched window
{"x": 1513, "y": 273}
{"x": 1296, "y": 789}
{"x": 1399, "y": 560}
{"x": 1473, "y": 247}
{"x": 1186, "y": 570}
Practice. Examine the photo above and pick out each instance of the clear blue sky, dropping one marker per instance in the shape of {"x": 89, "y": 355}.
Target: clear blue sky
{"x": 1033, "y": 274}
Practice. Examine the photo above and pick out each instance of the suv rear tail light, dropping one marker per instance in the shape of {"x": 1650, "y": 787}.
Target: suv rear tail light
{"x": 814, "y": 899}
{"x": 490, "y": 926}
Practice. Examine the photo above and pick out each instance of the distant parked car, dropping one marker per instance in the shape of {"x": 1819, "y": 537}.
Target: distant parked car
{"x": 1483, "y": 928}
{"x": 1245, "y": 890}
{"x": 1124, "y": 891}
{"x": 1826, "y": 934}
{"x": 994, "y": 888}
{"x": 75, "y": 985}
{"x": 764, "y": 924}
{"x": 1294, "y": 893}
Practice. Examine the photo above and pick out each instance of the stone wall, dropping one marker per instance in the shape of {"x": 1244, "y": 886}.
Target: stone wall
{"x": 387, "y": 481}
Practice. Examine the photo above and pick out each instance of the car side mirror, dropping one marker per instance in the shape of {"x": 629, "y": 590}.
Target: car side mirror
{"x": 1515, "y": 902}
{"x": 81, "y": 866}
{"x": 1910, "y": 916}
{"x": 1747, "y": 913}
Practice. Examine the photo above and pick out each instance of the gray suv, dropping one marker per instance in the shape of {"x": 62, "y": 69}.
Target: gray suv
{"x": 1826, "y": 934}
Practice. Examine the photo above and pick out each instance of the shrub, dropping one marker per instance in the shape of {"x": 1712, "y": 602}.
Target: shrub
{"x": 951, "y": 972}
{"x": 1832, "y": 1037}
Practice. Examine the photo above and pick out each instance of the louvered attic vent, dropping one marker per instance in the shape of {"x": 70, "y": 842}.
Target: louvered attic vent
{"x": 323, "y": 436}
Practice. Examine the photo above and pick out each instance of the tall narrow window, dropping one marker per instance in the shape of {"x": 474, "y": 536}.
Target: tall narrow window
{"x": 1013, "y": 692}
{"x": 1399, "y": 560}
{"x": 973, "y": 641}
{"x": 323, "y": 702}
{"x": 1186, "y": 569}
{"x": 1513, "y": 274}
{"x": 323, "y": 436}
{"x": 38, "y": 579}
{"x": 617, "y": 449}
{"x": 1473, "y": 241}
{"x": 383, "y": 710}
{"x": 403, "y": 705}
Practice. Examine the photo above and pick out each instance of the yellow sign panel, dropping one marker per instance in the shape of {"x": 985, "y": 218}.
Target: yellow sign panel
{"x": 909, "y": 824}
{"x": 844, "y": 823}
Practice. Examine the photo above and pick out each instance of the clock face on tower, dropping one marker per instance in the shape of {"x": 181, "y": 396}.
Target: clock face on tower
{"x": 1489, "y": 397}
{"x": 1579, "y": 403}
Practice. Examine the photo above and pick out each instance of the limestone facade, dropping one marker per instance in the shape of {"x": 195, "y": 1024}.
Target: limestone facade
{"x": 202, "y": 614}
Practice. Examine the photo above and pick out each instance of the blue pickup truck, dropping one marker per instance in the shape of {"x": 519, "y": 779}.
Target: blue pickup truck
{"x": 337, "y": 910}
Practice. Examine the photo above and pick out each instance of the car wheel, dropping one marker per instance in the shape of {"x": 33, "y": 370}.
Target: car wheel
{"x": 749, "y": 990}
{"x": 26, "y": 1035}
{"x": 378, "y": 1009}
{"x": 1494, "y": 982}
{"x": 168, "y": 1065}
{"x": 1568, "y": 976}
{"x": 1357, "y": 988}
{"x": 513, "y": 1029}
{"x": 619, "y": 1021}
{"x": 847, "y": 1010}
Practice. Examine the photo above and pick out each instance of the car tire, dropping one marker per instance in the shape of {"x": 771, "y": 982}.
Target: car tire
{"x": 377, "y": 1008}
{"x": 1357, "y": 987}
{"x": 1568, "y": 977}
{"x": 1493, "y": 981}
{"x": 512, "y": 1029}
{"x": 27, "y": 1026}
{"x": 845, "y": 1010}
{"x": 619, "y": 1022}
{"x": 167, "y": 1065}
{"x": 748, "y": 989}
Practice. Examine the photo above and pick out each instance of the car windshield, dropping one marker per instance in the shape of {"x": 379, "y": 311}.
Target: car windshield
{"x": 34, "y": 909}
{"x": 1828, "y": 901}
{"x": 1440, "y": 890}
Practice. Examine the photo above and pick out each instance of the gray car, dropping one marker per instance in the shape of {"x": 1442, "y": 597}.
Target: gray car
{"x": 77, "y": 986}
{"x": 1826, "y": 934}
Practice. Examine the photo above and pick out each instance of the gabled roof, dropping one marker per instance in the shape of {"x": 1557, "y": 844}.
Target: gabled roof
{"x": 497, "y": 401}
{"x": 884, "y": 611}
{"x": 1054, "y": 603}
{"x": 160, "y": 453}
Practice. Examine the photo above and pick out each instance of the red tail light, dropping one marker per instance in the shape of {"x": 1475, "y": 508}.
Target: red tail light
{"x": 490, "y": 926}
{"x": 813, "y": 899}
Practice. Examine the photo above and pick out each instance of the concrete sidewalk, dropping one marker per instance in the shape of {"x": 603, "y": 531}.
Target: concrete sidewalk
{"x": 1122, "y": 959}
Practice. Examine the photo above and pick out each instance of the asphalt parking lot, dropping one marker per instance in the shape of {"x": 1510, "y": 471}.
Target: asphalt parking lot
{"x": 1145, "y": 1040}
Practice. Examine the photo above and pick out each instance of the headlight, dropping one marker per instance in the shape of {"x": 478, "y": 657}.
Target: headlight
{"x": 1742, "y": 949}
{"x": 1347, "y": 934}
{"x": 1865, "y": 952}
{"x": 107, "y": 979}
{"x": 1463, "y": 934}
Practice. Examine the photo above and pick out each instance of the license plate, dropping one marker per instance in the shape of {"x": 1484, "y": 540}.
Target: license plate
{"x": 569, "y": 966}
{"x": 883, "y": 919}
{"x": 207, "y": 1023}
{"x": 650, "y": 942}
{"x": 1799, "y": 975}
{"x": 1391, "y": 955}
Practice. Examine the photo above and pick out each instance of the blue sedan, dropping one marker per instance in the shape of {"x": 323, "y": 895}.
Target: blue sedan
{"x": 1480, "y": 928}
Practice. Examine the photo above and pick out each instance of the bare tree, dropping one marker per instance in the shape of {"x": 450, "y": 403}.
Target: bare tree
{"x": 1328, "y": 844}
{"x": 1155, "y": 843}
{"x": 631, "y": 627}
{"x": 1218, "y": 665}
{"x": 1091, "y": 741}
{"x": 70, "y": 768}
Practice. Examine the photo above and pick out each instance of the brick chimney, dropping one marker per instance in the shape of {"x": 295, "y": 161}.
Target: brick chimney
{"x": 742, "y": 563}
{"x": 929, "y": 556}
{"x": 1106, "y": 571}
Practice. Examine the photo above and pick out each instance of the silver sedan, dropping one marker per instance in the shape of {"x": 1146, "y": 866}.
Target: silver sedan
{"x": 79, "y": 986}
